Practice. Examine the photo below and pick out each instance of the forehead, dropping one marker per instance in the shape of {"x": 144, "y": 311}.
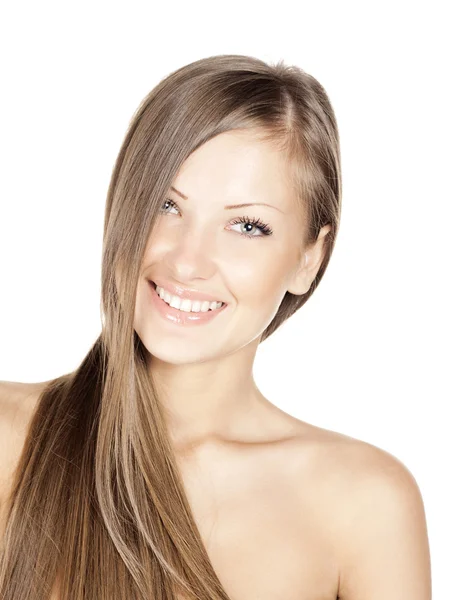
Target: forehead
{"x": 236, "y": 164}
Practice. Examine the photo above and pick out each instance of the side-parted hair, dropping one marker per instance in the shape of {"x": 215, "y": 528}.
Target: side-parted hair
{"x": 98, "y": 507}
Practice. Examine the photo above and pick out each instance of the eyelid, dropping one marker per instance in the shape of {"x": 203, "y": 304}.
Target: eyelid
{"x": 264, "y": 228}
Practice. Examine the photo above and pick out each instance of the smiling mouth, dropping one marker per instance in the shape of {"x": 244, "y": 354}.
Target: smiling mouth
{"x": 154, "y": 285}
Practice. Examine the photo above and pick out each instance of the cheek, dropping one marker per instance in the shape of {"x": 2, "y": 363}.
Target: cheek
{"x": 153, "y": 246}
{"x": 141, "y": 304}
{"x": 261, "y": 277}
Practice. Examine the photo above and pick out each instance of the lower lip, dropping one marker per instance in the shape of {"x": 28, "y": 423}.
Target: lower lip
{"x": 180, "y": 317}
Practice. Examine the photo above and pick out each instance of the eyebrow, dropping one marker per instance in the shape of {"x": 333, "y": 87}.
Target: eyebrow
{"x": 230, "y": 206}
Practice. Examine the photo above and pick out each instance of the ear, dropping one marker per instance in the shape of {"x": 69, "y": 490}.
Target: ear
{"x": 309, "y": 265}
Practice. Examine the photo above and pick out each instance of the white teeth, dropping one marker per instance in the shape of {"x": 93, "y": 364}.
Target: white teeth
{"x": 185, "y": 304}
{"x": 196, "y": 306}
{"x": 175, "y": 302}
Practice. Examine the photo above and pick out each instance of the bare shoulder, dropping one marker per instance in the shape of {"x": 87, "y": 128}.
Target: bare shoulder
{"x": 346, "y": 461}
{"x": 354, "y": 470}
{"x": 374, "y": 508}
{"x": 360, "y": 469}
{"x": 17, "y": 402}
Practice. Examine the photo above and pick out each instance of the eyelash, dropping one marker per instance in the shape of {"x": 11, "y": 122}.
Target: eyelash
{"x": 263, "y": 227}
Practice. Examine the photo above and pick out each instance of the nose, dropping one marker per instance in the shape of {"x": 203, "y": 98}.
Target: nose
{"x": 191, "y": 256}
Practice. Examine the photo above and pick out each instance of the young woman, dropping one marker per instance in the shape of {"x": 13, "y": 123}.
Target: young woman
{"x": 158, "y": 469}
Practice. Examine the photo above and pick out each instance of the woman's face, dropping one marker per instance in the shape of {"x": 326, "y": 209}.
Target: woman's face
{"x": 247, "y": 257}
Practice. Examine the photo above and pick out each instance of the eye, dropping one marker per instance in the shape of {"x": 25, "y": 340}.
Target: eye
{"x": 172, "y": 204}
{"x": 252, "y": 223}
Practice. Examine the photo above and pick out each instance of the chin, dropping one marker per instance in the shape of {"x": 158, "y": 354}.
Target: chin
{"x": 166, "y": 349}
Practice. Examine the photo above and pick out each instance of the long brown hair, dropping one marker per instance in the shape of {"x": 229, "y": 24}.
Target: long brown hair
{"x": 98, "y": 503}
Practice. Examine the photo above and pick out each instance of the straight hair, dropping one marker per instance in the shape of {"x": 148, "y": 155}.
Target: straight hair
{"x": 98, "y": 506}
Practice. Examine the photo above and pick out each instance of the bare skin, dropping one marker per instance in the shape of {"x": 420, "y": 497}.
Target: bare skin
{"x": 273, "y": 509}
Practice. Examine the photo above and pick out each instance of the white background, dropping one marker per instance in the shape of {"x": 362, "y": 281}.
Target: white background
{"x": 369, "y": 354}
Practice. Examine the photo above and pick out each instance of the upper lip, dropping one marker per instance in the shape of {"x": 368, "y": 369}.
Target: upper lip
{"x": 190, "y": 294}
